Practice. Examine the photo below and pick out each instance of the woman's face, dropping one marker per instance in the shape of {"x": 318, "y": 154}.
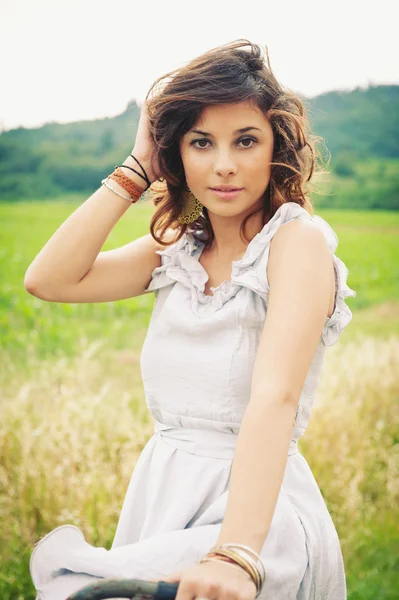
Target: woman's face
{"x": 215, "y": 153}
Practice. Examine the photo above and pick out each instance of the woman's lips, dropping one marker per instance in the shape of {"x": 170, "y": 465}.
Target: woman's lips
{"x": 226, "y": 195}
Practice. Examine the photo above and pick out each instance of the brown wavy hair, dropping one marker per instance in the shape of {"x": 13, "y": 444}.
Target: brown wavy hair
{"x": 232, "y": 73}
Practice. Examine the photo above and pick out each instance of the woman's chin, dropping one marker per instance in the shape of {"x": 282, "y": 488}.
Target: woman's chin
{"x": 230, "y": 208}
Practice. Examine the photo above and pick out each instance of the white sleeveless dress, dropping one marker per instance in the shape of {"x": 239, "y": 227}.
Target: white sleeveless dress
{"x": 196, "y": 363}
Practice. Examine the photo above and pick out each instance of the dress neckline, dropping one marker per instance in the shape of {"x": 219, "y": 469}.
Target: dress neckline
{"x": 245, "y": 260}
{"x": 179, "y": 263}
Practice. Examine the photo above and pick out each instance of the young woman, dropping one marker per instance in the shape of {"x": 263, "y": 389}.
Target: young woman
{"x": 249, "y": 294}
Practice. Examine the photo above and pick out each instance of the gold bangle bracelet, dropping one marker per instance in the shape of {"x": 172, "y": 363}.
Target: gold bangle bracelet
{"x": 242, "y": 562}
{"x": 229, "y": 564}
{"x": 248, "y": 553}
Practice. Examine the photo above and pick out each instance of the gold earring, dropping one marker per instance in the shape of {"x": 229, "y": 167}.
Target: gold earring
{"x": 192, "y": 209}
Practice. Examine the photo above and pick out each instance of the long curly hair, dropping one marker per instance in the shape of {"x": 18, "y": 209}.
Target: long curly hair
{"x": 232, "y": 73}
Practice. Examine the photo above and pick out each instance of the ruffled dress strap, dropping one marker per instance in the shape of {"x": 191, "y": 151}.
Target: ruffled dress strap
{"x": 180, "y": 262}
{"x": 177, "y": 265}
{"x": 251, "y": 271}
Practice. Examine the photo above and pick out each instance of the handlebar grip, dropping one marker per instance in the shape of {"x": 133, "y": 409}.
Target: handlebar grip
{"x": 126, "y": 588}
{"x": 166, "y": 591}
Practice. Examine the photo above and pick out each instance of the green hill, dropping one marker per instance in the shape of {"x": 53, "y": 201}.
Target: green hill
{"x": 360, "y": 129}
{"x": 363, "y": 123}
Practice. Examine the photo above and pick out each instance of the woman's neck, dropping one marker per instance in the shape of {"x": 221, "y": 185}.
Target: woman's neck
{"x": 227, "y": 243}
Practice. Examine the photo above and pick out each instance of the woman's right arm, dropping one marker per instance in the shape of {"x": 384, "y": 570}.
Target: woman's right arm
{"x": 71, "y": 266}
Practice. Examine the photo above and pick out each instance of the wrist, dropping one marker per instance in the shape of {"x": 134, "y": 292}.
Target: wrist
{"x": 145, "y": 162}
{"x": 133, "y": 175}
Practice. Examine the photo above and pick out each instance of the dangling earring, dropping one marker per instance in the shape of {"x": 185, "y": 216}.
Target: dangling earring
{"x": 192, "y": 209}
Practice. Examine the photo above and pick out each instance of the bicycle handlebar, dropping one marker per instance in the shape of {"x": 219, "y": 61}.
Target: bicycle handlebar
{"x": 126, "y": 588}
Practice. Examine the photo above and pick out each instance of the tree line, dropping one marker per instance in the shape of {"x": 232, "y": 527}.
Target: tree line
{"x": 359, "y": 131}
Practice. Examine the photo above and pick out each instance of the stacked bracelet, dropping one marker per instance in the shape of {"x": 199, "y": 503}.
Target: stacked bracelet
{"x": 132, "y": 198}
{"x": 134, "y": 190}
{"x": 242, "y": 556}
{"x": 144, "y": 176}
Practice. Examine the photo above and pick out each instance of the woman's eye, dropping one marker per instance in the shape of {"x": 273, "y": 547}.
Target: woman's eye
{"x": 205, "y": 141}
{"x": 198, "y": 141}
{"x": 248, "y": 140}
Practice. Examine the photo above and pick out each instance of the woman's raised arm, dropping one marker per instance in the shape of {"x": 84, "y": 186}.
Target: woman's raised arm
{"x": 71, "y": 268}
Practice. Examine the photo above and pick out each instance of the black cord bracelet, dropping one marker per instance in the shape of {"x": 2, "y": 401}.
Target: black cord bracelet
{"x": 142, "y": 168}
{"x": 137, "y": 173}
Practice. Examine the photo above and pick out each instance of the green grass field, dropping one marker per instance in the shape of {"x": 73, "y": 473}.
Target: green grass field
{"x": 70, "y": 436}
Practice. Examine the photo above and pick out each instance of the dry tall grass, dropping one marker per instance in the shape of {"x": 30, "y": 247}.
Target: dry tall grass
{"x": 352, "y": 441}
{"x": 71, "y": 434}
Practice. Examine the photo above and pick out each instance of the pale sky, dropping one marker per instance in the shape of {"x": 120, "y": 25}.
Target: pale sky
{"x": 69, "y": 60}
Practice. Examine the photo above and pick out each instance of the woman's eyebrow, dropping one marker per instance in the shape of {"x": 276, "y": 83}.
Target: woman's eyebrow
{"x": 243, "y": 130}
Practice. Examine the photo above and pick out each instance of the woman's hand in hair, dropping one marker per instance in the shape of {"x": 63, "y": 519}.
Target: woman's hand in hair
{"x": 144, "y": 145}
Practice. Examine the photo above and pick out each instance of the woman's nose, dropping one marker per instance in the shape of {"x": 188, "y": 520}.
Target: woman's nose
{"x": 224, "y": 164}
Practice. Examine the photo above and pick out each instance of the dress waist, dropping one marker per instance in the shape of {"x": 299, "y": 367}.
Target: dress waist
{"x": 210, "y": 443}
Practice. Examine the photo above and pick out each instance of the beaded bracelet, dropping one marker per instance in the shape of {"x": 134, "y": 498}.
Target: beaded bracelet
{"x": 105, "y": 182}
